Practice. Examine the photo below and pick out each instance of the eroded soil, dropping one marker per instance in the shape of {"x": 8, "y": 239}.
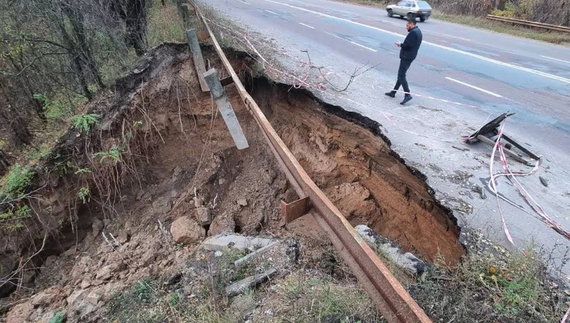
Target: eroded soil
{"x": 189, "y": 167}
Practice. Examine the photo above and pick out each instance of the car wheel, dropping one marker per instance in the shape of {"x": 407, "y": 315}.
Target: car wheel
{"x": 422, "y": 19}
{"x": 410, "y": 16}
{"x": 390, "y": 13}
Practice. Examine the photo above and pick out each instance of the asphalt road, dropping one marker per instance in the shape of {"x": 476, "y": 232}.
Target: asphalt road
{"x": 456, "y": 62}
{"x": 484, "y": 73}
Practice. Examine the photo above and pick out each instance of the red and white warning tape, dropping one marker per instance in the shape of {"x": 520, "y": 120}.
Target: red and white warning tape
{"x": 523, "y": 192}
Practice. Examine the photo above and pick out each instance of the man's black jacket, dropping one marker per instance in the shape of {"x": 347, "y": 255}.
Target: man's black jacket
{"x": 411, "y": 45}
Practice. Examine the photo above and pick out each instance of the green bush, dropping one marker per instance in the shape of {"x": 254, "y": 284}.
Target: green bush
{"x": 84, "y": 194}
{"x": 85, "y": 121}
{"x": 17, "y": 181}
{"x": 11, "y": 219}
{"x": 114, "y": 153}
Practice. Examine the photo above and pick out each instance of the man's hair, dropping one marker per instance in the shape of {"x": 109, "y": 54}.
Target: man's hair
{"x": 412, "y": 21}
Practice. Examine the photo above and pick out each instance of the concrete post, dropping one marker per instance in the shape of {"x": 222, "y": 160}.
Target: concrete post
{"x": 228, "y": 114}
{"x": 198, "y": 58}
{"x": 185, "y": 13}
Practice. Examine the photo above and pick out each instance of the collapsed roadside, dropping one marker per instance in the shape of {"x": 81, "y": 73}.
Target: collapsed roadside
{"x": 140, "y": 249}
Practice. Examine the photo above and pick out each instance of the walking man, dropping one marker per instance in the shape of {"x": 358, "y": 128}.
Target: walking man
{"x": 408, "y": 52}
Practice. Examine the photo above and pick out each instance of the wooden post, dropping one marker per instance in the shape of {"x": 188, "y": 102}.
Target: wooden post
{"x": 230, "y": 118}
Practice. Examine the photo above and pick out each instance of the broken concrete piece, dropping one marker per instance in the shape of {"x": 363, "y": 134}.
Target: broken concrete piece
{"x": 407, "y": 262}
{"x": 242, "y": 202}
{"x": 252, "y": 281}
{"x": 244, "y": 260}
{"x": 221, "y": 242}
{"x": 186, "y": 230}
{"x": 220, "y": 97}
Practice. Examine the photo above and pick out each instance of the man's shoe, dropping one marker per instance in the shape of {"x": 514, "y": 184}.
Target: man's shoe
{"x": 407, "y": 99}
{"x": 391, "y": 94}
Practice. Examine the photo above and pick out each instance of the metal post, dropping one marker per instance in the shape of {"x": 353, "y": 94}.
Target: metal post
{"x": 198, "y": 58}
{"x": 230, "y": 118}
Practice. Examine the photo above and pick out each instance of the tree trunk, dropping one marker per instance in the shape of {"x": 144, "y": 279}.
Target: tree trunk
{"x": 24, "y": 83}
{"x": 82, "y": 46}
{"x": 136, "y": 25}
{"x": 19, "y": 129}
{"x": 11, "y": 121}
{"x": 4, "y": 163}
{"x": 75, "y": 56}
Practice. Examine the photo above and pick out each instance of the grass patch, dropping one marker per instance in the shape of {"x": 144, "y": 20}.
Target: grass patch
{"x": 17, "y": 182}
{"x": 319, "y": 299}
{"x": 487, "y": 288}
{"x": 519, "y": 31}
{"x": 164, "y": 25}
{"x": 147, "y": 301}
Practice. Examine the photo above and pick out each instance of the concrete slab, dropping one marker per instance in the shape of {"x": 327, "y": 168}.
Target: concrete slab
{"x": 221, "y": 242}
{"x": 252, "y": 281}
{"x": 244, "y": 260}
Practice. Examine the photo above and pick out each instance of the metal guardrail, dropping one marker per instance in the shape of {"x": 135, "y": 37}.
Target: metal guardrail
{"x": 390, "y": 297}
{"x": 529, "y": 23}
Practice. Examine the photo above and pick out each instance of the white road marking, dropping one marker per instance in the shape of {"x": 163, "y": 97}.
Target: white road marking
{"x": 360, "y": 45}
{"x": 243, "y": 1}
{"x": 451, "y": 36}
{"x": 354, "y": 43}
{"x": 458, "y": 51}
{"x": 555, "y": 59}
{"x": 302, "y": 24}
{"x": 331, "y": 34}
{"x": 474, "y": 87}
{"x": 271, "y": 12}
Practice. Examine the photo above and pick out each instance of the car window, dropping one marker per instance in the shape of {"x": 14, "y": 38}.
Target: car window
{"x": 401, "y": 3}
{"x": 423, "y": 5}
{"x": 408, "y": 4}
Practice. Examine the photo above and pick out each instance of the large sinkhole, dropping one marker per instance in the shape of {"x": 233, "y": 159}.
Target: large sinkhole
{"x": 183, "y": 162}
{"x": 344, "y": 153}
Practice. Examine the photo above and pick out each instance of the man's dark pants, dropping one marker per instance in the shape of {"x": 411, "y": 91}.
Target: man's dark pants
{"x": 404, "y": 66}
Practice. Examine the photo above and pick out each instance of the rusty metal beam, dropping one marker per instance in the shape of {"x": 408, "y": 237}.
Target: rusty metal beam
{"x": 294, "y": 210}
{"x": 391, "y": 298}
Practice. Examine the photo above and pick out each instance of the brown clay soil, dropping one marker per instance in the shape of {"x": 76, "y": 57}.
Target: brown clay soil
{"x": 183, "y": 163}
{"x": 347, "y": 158}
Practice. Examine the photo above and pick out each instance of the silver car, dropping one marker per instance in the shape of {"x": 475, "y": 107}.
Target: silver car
{"x": 410, "y": 9}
